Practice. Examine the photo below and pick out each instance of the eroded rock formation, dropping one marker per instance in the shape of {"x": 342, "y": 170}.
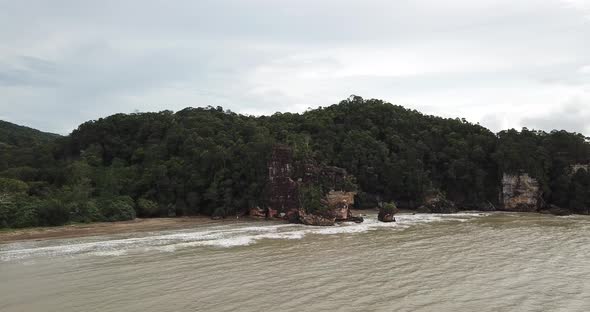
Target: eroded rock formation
{"x": 257, "y": 212}
{"x": 316, "y": 219}
{"x": 282, "y": 190}
{"x": 437, "y": 203}
{"x": 286, "y": 178}
{"x": 385, "y": 217}
{"x": 340, "y": 203}
{"x": 520, "y": 192}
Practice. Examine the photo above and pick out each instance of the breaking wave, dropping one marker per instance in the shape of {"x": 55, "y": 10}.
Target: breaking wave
{"x": 223, "y": 236}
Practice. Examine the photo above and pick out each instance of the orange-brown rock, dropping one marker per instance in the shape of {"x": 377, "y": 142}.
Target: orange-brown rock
{"x": 520, "y": 192}
{"x": 340, "y": 203}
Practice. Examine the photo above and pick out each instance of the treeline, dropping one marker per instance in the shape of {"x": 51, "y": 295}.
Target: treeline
{"x": 214, "y": 162}
{"x": 559, "y": 160}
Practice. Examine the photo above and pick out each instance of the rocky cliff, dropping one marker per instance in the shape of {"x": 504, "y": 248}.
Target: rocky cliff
{"x": 340, "y": 203}
{"x": 282, "y": 190}
{"x": 520, "y": 192}
{"x": 285, "y": 179}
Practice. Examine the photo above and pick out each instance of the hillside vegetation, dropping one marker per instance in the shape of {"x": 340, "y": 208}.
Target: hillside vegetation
{"x": 214, "y": 162}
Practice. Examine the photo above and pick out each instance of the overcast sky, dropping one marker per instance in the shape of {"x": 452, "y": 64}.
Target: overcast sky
{"x": 502, "y": 63}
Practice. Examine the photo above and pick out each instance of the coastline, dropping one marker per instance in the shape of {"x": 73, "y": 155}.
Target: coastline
{"x": 109, "y": 228}
{"x": 121, "y": 227}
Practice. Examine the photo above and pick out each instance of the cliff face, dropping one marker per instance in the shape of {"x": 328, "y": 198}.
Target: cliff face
{"x": 520, "y": 192}
{"x": 283, "y": 195}
{"x": 340, "y": 203}
{"x": 285, "y": 179}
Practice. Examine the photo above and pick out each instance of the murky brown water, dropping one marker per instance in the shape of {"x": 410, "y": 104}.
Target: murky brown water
{"x": 465, "y": 262}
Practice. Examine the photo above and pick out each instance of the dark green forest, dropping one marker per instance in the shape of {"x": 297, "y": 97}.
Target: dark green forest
{"x": 211, "y": 161}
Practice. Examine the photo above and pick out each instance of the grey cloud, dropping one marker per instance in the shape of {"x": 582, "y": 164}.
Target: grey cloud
{"x": 27, "y": 71}
{"x": 64, "y": 62}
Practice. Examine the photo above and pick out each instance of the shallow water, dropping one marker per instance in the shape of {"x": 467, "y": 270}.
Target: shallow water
{"x": 461, "y": 262}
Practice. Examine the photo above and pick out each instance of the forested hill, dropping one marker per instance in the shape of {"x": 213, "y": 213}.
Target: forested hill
{"x": 15, "y": 135}
{"x": 214, "y": 162}
{"x": 24, "y": 146}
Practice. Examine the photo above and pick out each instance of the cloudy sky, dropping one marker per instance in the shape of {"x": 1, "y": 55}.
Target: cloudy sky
{"x": 502, "y": 63}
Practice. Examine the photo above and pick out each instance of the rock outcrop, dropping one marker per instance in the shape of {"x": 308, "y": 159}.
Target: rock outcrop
{"x": 272, "y": 213}
{"x": 257, "y": 212}
{"x": 281, "y": 189}
{"x": 385, "y": 217}
{"x": 337, "y": 209}
{"x": 316, "y": 219}
{"x": 437, "y": 203}
{"x": 340, "y": 202}
{"x": 387, "y": 212}
{"x": 260, "y": 213}
{"x": 286, "y": 178}
{"x": 520, "y": 192}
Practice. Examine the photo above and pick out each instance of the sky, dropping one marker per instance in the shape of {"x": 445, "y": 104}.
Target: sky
{"x": 501, "y": 63}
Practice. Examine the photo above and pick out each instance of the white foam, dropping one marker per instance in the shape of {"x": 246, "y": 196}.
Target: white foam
{"x": 223, "y": 236}
{"x": 110, "y": 253}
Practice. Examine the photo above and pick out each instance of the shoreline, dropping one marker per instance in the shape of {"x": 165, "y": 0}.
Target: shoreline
{"x": 110, "y": 228}
{"x": 120, "y": 227}
{"x": 139, "y": 225}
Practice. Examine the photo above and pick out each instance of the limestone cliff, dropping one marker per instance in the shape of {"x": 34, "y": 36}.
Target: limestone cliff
{"x": 520, "y": 192}
{"x": 282, "y": 191}
{"x": 286, "y": 177}
{"x": 340, "y": 203}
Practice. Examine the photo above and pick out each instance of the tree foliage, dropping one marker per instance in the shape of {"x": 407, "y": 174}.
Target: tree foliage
{"x": 214, "y": 162}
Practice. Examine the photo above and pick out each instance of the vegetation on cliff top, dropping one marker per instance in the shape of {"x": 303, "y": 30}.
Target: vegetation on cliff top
{"x": 214, "y": 162}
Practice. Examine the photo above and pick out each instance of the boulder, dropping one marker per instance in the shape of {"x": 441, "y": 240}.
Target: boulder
{"x": 385, "y": 217}
{"x": 387, "y": 212}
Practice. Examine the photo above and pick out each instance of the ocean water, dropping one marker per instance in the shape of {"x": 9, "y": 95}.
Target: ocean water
{"x": 423, "y": 262}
